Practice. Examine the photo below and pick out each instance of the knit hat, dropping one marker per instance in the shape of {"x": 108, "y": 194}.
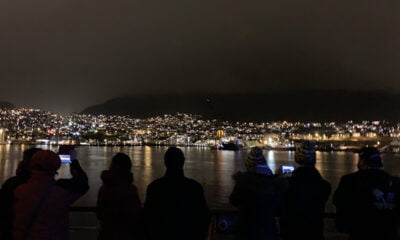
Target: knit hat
{"x": 371, "y": 157}
{"x": 255, "y": 158}
{"x": 45, "y": 161}
{"x": 305, "y": 153}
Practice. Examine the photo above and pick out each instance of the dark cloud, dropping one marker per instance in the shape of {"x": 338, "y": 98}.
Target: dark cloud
{"x": 66, "y": 54}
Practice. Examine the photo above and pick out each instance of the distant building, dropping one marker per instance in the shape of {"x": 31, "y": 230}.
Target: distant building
{"x": 220, "y": 133}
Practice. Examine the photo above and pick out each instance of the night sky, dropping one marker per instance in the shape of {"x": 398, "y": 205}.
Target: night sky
{"x": 63, "y": 55}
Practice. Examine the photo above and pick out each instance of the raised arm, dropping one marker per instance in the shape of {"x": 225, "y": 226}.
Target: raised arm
{"x": 79, "y": 181}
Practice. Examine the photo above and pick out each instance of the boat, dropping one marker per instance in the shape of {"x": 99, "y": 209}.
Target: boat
{"x": 393, "y": 147}
{"x": 229, "y": 146}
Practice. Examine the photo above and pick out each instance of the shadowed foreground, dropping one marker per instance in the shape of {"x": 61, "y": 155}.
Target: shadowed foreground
{"x": 84, "y": 226}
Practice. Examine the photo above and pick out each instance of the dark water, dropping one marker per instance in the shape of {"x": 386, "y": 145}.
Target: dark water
{"x": 213, "y": 169}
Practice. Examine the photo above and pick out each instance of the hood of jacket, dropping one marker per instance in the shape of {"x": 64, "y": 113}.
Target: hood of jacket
{"x": 117, "y": 177}
{"x": 306, "y": 173}
{"x": 252, "y": 178}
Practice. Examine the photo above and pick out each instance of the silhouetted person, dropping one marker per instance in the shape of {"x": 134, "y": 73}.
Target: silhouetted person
{"x": 305, "y": 199}
{"x": 258, "y": 197}
{"x": 367, "y": 201}
{"x": 42, "y": 204}
{"x": 23, "y": 173}
{"x": 118, "y": 203}
{"x": 175, "y": 206}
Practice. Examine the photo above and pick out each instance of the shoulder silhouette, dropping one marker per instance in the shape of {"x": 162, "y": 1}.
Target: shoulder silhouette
{"x": 175, "y": 206}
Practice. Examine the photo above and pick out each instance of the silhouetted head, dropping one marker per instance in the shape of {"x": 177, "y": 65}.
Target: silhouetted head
{"x": 174, "y": 158}
{"x": 121, "y": 161}
{"x": 255, "y": 158}
{"x": 45, "y": 161}
{"x": 28, "y": 154}
{"x": 305, "y": 154}
{"x": 369, "y": 158}
{"x": 25, "y": 165}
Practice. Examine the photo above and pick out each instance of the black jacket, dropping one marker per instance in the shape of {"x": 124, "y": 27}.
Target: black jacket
{"x": 118, "y": 206}
{"x": 355, "y": 205}
{"x": 176, "y": 208}
{"x": 7, "y": 203}
{"x": 305, "y": 205}
{"x": 259, "y": 199}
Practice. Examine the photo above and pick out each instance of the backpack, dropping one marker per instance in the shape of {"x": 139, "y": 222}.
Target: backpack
{"x": 366, "y": 201}
{"x": 384, "y": 200}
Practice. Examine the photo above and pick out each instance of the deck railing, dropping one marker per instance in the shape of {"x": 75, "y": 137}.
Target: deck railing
{"x": 222, "y": 219}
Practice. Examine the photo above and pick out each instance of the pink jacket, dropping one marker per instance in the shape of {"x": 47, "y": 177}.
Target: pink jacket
{"x": 52, "y": 221}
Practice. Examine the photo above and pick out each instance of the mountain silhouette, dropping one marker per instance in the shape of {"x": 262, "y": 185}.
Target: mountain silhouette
{"x": 275, "y": 106}
{"x": 6, "y": 105}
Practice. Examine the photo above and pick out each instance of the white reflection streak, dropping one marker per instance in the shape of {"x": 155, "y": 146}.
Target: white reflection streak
{"x": 290, "y": 155}
{"x": 271, "y": 160}
{"x": 319, "y": 163}
{"x": 147, "y": 156}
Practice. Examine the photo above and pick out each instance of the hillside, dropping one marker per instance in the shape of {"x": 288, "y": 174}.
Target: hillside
{"x": 293, "y": 106}
{"x": 6, "y": 105}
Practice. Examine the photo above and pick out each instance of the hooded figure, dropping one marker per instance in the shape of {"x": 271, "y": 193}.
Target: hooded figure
{"x": 258, "y": 198}
{"x": 305, "y": 199}
{"x": 175, "y": 206}
{"x": 42, "y": 204}
{"x": 118, "y": 203}
{"x": 367, "y": 201}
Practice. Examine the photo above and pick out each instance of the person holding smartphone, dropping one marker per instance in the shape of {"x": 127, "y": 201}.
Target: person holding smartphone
{"x": 305, "y": 198}
{"x": 42, "y": 203}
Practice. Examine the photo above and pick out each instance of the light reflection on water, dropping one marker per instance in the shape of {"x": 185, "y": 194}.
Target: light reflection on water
{"x": 213, "y": 169}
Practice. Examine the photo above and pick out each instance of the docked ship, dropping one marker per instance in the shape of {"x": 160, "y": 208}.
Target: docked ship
{"x": 230, "y": 146}
{"x": 280, "y": 147}
{"x": 393, "y": 147}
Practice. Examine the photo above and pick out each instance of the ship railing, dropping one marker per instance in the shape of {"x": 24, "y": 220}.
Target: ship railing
{"x": 221, "y": 219}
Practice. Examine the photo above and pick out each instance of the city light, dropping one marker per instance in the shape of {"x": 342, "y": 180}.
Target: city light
{"x": 40, "y": 127}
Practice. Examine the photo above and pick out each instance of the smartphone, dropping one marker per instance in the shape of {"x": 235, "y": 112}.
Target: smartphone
{"x": 65, "y": 158}
{"x": 287, "y": 169}
{"x": 63, "y": 153}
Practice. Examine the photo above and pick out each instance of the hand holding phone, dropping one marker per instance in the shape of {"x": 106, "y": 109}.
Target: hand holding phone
{"x": 287, "y": 169}
{"x": 73, "y": 154}
{"x": 65, "y": 158}
{"x": 67, "y": 153}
